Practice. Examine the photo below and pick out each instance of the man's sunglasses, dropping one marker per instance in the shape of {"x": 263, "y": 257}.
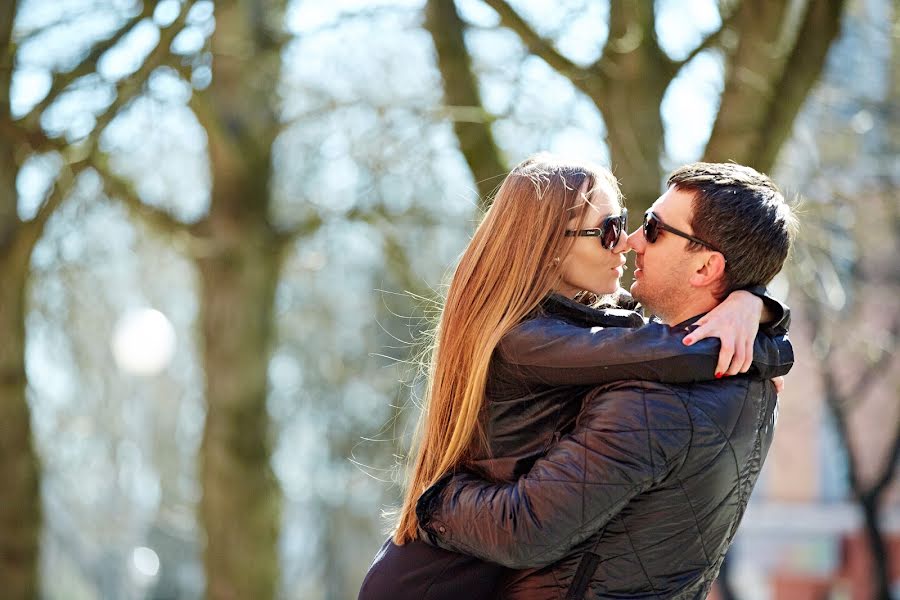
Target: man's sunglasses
{"x": 609, "y": 232}
{"x": 652, "y": 225}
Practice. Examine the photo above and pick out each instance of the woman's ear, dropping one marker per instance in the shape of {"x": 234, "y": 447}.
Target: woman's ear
{"x": 711, "y": 272}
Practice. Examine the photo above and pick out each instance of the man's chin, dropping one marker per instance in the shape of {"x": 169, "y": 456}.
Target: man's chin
{"x": 636, "y": 290}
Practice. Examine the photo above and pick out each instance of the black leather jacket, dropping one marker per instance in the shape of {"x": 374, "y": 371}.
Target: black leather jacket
{"x": 643, "y": 497}
{"x": 542, "y": 369}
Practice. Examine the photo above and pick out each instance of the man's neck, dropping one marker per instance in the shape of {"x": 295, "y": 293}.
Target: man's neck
{"x": 689, "y": 309}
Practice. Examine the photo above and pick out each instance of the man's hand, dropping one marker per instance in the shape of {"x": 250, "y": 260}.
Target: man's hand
{"x": 735, "y": 322}
{"x": 779, "y": 384}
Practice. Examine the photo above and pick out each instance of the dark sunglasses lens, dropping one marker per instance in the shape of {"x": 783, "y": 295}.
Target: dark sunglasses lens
{"x": 650, "y": 228}
{"x": 612, "y": 230}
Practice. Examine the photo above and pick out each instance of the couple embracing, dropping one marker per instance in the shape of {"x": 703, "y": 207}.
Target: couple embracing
{"x": 569, "y": 447}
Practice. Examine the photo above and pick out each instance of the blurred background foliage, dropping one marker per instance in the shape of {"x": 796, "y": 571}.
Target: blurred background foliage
{"x": 223, "y": 226}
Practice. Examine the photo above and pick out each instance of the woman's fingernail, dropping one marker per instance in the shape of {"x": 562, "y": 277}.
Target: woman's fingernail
{"x": 718, "y": 375}
{"x": 688, "y": 341}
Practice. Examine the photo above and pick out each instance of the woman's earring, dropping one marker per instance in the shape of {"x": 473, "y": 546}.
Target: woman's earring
{"x": 556, "y": 261}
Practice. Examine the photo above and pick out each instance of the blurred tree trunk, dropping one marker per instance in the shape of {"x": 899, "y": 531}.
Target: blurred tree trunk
{"x": 240, "y": 506}
{"x": 635, "y": 73}
{"x": 20, "y": 516}
{"x": 239, "y": 268}
{"x": 864, "y": 331}
{"x": 840, "y": 402}
{"x": 769, "y": 77}
{"x": 20, "y": 508}
{"x": 774, "y": 65}
{"x": 471, "y": 122}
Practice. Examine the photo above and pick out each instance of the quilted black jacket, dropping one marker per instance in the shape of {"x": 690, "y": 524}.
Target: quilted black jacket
{"x": 640, "y": 500}
{"x": 543, "y": 368}
{"x": 539, "y": 375}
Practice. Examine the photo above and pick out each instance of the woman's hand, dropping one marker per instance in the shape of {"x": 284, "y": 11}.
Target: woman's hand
{"x": 735, "y": 321}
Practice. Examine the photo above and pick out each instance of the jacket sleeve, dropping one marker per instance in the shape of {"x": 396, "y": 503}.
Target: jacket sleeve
{"x": 626, "y": 440}
{"x": 781, "y": 314}
{"x": 550, "y": 351}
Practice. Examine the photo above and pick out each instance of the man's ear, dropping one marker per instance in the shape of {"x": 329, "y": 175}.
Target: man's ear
{"x": 711, "y": 272}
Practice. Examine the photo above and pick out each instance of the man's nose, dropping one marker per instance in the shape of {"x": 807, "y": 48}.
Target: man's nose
{"x": 636, "y": 240}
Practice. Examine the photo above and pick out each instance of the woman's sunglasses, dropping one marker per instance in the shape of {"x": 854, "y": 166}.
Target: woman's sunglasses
{"x": 609, "y": 232}
{"x": 652, "y": 225}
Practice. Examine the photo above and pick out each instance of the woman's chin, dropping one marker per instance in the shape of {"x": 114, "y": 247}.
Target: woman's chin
{"x": 613, "y": 285}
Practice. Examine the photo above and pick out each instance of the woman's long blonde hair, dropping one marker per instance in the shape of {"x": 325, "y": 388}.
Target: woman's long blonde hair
{"x": 510, "y": 265}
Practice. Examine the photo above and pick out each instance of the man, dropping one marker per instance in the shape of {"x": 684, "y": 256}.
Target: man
{"x": 644, "y": 496}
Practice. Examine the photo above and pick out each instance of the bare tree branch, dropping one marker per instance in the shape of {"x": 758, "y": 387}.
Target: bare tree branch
{"x": 396, "y": 252}
{"x": 875, "y": 369}
{"x": 752, "y": 72}
{"x": 120, "y": 188}
{"x": 36, "y": 139}
{"x": 538, "y": 45}
{"x": 634, "y": 73}
{"x": 454, "y": 114}
{"x": 64, "y": 18}
{"x": 129, "y": 87}
{"x": 366, "y": 15}
{"x": 377, "y": 215}
{"x": 397, "y": 256}
{"x": 88, "y": 64}
{"x": 58, "y": 192}
{"x": 7, "y": 18}
{"x": 78, "y": 157}
{"x": 302, "y": 230}
{"x": 711, "y": 40}
{"x": 476, "y": 140}
{"x": 821, "y": 25}
{"x": 200, "y": 103}
{"x": 890, "y": 465}
{"x": 836, "y": 409}
{"x": 835, "y": 399}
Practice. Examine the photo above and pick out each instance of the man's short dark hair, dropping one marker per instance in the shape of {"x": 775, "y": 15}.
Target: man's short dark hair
{"x": 741, "y": 212}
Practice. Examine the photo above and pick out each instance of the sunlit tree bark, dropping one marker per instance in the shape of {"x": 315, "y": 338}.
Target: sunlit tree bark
{"x": 240, "y": 508}
{"x": 770, "y": 68}
{"x": 471, "y": 122}
{"x": 769, "y": 77}
{"x": 20, "y": 516}
{"x": 238, "y": 253}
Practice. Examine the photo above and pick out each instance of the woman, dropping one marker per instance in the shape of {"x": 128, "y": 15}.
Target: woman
{"x": 514, "y": 354}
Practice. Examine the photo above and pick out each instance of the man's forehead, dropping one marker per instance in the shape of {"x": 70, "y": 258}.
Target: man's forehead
{"x": 674, "y": 205}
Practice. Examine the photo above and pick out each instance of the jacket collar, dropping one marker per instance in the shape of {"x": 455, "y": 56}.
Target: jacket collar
{"x": 580, "y": 314}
